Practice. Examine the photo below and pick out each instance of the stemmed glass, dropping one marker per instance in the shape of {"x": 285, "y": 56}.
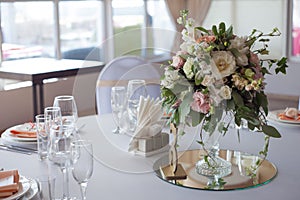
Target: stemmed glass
{"x": 118, "y": 99}
{"x": 55, "y": 117}
{"x": 82, "y": 169}
{"x": 60, "y": 152}
{"x": 68, "y": 108}
{"x": 135, "y": 89}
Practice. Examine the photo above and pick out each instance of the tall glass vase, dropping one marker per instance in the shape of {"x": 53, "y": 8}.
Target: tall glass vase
{"x": 212, "y": 165}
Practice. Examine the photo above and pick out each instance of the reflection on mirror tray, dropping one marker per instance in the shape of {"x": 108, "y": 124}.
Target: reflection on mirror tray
{"x": 240, "y": 177}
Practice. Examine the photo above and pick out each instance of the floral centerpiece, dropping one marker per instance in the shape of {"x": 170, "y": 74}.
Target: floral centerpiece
{"x": 216, "y": 72}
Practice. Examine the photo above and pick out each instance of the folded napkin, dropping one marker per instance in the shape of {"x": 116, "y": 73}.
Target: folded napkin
{"x": 9, "y": 183}
{"x": 149, "y": 121}
{"x": 27, "y": 130}
{"x": 292, "y": 114}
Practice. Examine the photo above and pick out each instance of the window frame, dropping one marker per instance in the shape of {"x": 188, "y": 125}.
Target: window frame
{"x": 289, "y": 31}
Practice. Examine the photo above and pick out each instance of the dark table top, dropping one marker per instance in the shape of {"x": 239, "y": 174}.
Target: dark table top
{"x": 38, "y": 69}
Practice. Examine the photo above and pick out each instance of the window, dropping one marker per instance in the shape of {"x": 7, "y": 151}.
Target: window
{"x": 141, "y": 28}
{"x": 28, "y": 28}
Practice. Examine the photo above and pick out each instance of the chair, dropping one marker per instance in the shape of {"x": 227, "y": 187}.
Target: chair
{"x": 87, "y": 53}
{"x": 118, "y": 72}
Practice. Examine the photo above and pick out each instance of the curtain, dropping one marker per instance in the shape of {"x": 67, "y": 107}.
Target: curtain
{"x": 198, "y": 10}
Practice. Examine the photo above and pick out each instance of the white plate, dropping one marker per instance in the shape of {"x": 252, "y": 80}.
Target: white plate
{"x": 24, "y": 186}
{"x": 12, "y": 136}
{"x": 6, "y": 136}
{"x": 32, "y": 192}
{"x": 273, "y": 116}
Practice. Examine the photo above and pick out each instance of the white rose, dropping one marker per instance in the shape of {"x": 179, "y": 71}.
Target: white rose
{"x": 188, "y": 68}
{"x": 223, "y": 64}
{"x": 225, "y": 92}
{"x": 207, "y": 80}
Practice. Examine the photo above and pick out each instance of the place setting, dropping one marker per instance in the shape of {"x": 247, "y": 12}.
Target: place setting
{"x": 56, "y": 142}
{"x": 288, "y": 117}
{"x": 22, "y": 138}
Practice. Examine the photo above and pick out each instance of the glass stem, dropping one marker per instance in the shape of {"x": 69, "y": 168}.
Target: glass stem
{"x": 83, "y": 187}
{"x": 65, "y": 172}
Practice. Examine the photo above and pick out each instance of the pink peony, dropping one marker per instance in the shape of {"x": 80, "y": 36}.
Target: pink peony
{"x": 200, "y": 103}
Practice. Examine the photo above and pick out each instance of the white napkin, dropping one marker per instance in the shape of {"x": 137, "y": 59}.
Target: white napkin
{"x": 148, "y": 120}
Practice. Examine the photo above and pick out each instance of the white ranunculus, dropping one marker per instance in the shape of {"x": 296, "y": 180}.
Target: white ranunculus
{"x": 223, "y": 64}
{"x": 188, "y": 68}
{"x": 238, "y": 43}
{"x": 225, "y": 92}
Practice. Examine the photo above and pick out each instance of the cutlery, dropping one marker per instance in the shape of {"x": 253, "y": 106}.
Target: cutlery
{"x": 3, "y": 147}
{"x": 22, "y": 148}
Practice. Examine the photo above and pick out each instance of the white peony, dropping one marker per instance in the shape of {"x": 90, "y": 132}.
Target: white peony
{"x": 223, "y": 64}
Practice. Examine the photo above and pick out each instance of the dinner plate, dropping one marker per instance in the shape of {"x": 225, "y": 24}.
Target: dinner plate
{"x": 12, "y": 136}
{"x": 24, "y": 186}
{"x": 273, "y": 116}
{"x": 6, "y": 139}
{"x": 32, "y": 192}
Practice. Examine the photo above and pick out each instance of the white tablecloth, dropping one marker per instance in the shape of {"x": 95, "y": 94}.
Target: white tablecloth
{"x": 121, "y": 175}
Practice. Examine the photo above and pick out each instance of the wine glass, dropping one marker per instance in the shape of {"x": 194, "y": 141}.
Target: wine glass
{"x": 55, "y": 116}
{"x": 135, "y": 89}
{"x": 60, "y": 152}
{"x": 82, "y": 169}
{"x": 68, "y": 108}
{"x": 118, "y": 99}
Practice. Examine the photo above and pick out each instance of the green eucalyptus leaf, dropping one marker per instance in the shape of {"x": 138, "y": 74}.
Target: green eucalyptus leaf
{"x": 271, "y": 131}
{"x": 197, "y": 117}
{"x": 238, "y": 99}
{"x": 262, "y": 101}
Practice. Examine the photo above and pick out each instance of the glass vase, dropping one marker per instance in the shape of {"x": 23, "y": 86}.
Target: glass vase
{"x": 212, "y": 165}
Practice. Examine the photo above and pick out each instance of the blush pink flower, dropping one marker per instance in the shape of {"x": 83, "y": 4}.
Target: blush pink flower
{"x": 178, "y": 62}
{"x": 257, "y": 68}
{"x": 200, "y": 103}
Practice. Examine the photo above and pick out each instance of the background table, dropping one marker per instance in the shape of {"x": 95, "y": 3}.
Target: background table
{"x": 37, "y": 70}
{"x": 121, "y": 175}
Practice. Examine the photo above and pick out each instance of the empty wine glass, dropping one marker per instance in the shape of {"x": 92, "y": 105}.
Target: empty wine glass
{"x": 60, "y": 152}
{"x": 118, "y": 99}
{"x": 135, "y": 89}
{"x": 68, "y": 108}
{"x": 55, "y": 116}
{"x": 82, "y": 168}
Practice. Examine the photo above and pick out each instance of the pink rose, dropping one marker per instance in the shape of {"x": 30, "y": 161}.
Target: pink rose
{"x": 200, "y": 103}
{"x": 178, "y": 61}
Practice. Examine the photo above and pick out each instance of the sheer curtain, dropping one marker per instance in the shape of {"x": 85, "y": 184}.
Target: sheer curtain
{"x": 197, "y": 9}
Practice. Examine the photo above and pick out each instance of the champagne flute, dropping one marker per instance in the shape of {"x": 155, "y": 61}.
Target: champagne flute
{"x": 82, "y": 169}
{"x": 68, "y": 108}
{"x": 118, "y": 99}
{"x": 60, "y": 152}
{"x": 135, "y": 89}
